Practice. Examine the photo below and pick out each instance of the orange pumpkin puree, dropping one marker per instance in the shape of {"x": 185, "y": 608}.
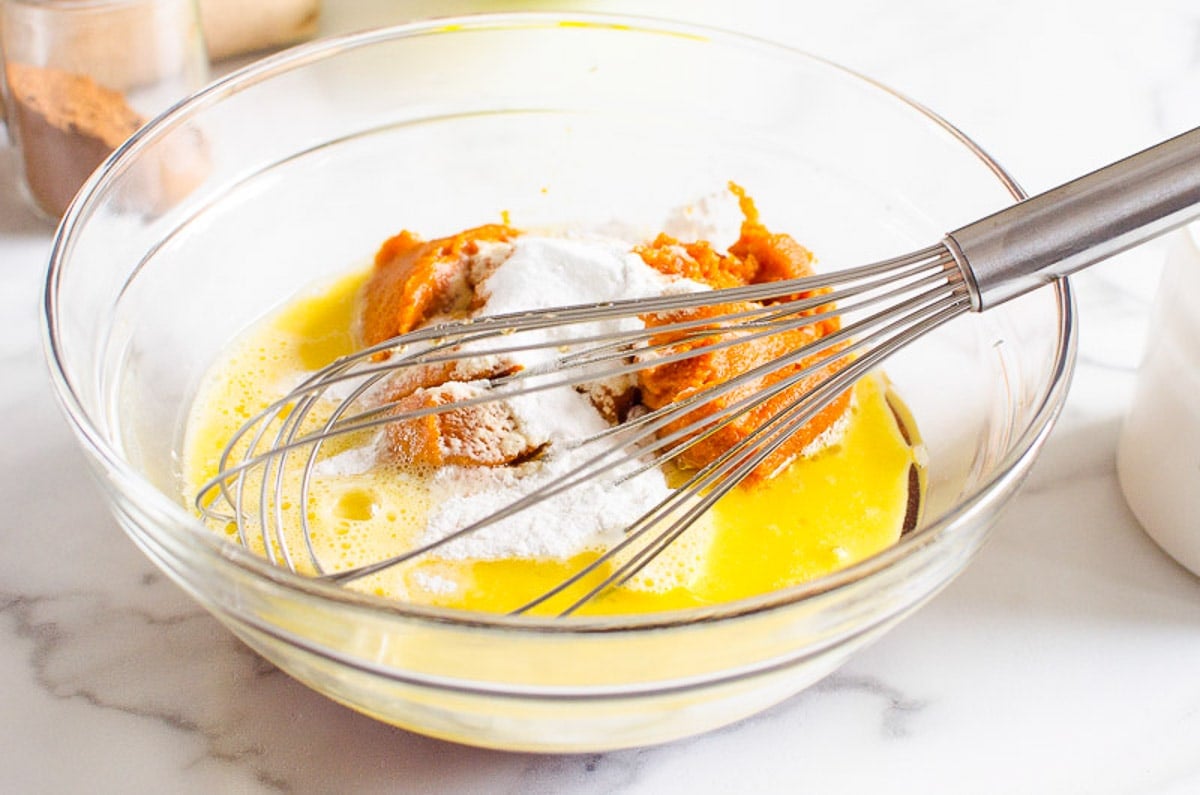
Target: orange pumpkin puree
{"x": 414, "y": 281}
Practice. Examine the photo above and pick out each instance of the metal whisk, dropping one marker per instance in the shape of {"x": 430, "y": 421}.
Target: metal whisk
{"x": 883, "y": 307}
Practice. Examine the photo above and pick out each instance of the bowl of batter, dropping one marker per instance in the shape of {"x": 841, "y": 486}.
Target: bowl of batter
{"x": 363, "y": 186}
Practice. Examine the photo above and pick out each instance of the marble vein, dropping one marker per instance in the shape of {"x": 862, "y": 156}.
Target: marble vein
{"x": 898, "y": 710}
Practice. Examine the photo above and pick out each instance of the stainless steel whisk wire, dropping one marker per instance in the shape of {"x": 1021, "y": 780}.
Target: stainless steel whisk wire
{"x": 649, "y": 424}
{"x": 885, "y": 306}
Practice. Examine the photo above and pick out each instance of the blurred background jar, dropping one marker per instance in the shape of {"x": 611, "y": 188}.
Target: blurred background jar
{"x": 1158, "y": 458}
{"x": 81, "y": 76}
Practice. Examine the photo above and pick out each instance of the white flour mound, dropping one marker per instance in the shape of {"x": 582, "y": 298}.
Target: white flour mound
{"x": 544, "y": 272}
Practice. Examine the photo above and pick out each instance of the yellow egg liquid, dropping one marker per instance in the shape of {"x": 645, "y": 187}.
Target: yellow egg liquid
{"x": 824, "y": 512}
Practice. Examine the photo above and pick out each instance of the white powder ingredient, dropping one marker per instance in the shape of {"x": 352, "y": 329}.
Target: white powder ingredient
{"x": 541, "y": 273}
{"x": 715, "y": 216}
{"x": 435, "y": 583}
{"x": 544, "y": 272}
{"x": 355, "y": 461}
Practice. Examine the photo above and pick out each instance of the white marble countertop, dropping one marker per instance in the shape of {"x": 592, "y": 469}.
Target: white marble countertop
{"x": 1065, "y": 659}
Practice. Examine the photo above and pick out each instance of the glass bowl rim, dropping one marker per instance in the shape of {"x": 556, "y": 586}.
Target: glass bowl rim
{"x": 221, "y": 552}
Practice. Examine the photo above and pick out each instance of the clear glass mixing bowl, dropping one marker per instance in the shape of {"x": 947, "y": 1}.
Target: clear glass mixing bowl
{"x": 303, "y": 163}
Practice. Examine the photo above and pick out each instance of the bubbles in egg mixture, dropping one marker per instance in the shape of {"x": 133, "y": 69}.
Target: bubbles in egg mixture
{"x": 359, "y": 519}
{"x": 842, "y": 504}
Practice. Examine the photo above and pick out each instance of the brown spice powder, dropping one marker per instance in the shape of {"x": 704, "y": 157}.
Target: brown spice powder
{"x": 66, "y": 124}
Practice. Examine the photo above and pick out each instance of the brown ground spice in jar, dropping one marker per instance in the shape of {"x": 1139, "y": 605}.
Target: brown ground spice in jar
{"x": 66, "y": 124}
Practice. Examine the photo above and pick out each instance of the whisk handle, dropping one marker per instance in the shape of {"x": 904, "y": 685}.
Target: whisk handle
{"x": 1081, "y": 222}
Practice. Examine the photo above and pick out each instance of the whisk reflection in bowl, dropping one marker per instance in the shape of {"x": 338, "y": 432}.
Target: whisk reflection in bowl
{"x": 883, "y": 307}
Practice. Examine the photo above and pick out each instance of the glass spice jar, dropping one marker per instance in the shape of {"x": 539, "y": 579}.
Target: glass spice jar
{"x": 81, "y": 76}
